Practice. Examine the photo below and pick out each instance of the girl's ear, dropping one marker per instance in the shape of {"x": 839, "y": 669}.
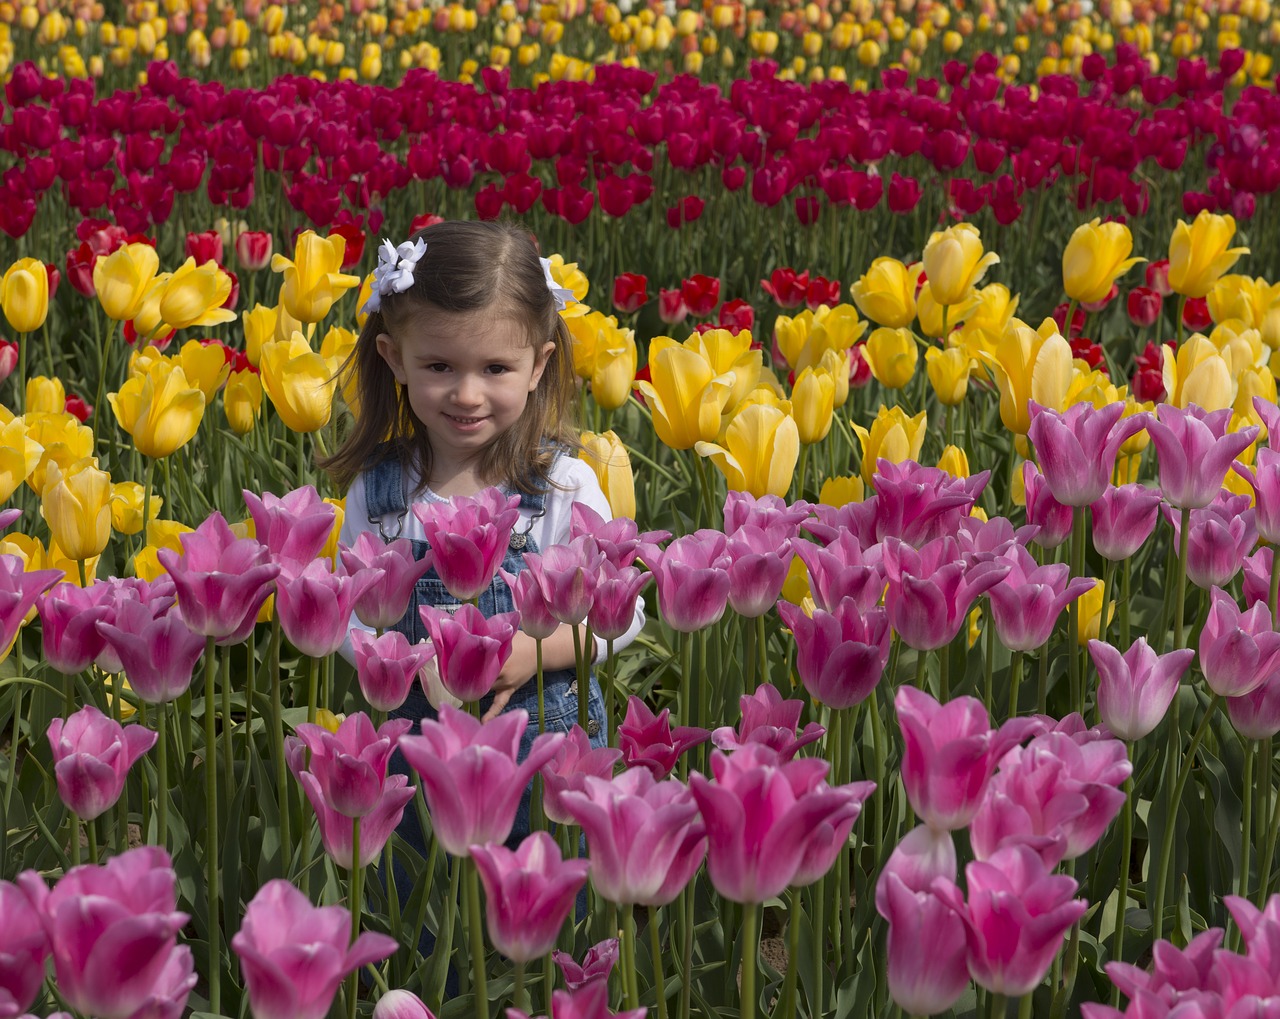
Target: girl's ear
{"x": 540, "y": 360}
{"x": 390, "y": 351}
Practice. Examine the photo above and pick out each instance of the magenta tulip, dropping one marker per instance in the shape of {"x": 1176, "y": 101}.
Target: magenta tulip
{"x": 619, "y": 539}
{"x": 927, "y": 948}
{"x": 575, "y": 759}
{"x": 1077, "y": 449}
{"x": 337, "y": 831}
{"x": 113, "y": 930}
{"x": 1135, "y": 689}
{"x": 158, "y": 595}
{"x": 294, "y": 955}
{"x": 386, "y": 666}
{"x": 759, "y": 561}
{"x": 349, "y": 767}
{"x": 24, "y": 947}
{"x": 1220, "y": 536}
{"x": 596, "y": 965}
{"x": 930, "y": 591}
{"x": 314, "y": 606}
{"x": 294, "y": 527}
{"x": 469, "y": 536}
{"x": 762, "y": 815}
{"x": 69, "y": 617}
{"x": 918, "y": 504}
{"x": 644, "y": 837}
{"x": 768, "y": 512}
{"x": 529, "y": 894}
{"x": 92, "y": 755}
{"x": 384, "y": 603}
{"x": 1195, "y": 450}
{"x": 692, "y": 576}
{"x": 1264, "y": 479}
{"x": 535, "y": 615}
{"x": 1239, "y": 651}
{"x": 567, "y": 577}
{"x": 841, "y": 654}
{"x": 1174, "y": 971}
{"x": 843, "y": 569}
{"x": 992, "y": 537}
{"x": 18, "y": 592}
{"x": 157, "y": 652}
{"x": 950, "y": 752}
{"x": 614, "y": 607}
{"x": 1256, "y": 715}
{"x": 923, "y": 855}
{"x": 221, "y": 580}
{"x": 1053, "y": 519}
{"x": 648, "y": 741}
{"x": 470, "y": 775}
{"x": 401, "y": 1005}
{"x": 470, "y": 650}
{"x": 768, "y": 719}
{"x": 1123, "y": 519}
{"x": 1026, "y": 603}
{"x": 591, "y": 1001}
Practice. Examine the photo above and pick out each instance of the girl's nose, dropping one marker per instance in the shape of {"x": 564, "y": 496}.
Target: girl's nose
{"x": 467, "y": 391}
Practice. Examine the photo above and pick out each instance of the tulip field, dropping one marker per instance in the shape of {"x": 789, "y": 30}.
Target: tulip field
{"x": 927, "y": 360}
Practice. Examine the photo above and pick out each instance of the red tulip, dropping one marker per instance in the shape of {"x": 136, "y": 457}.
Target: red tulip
{"x": 787, "y": 287}
{"x": 205, "y": 247}
{"x": 1143, "y": 306}
{"x": 253, "y": 249}
{"x": 701, "y": 294}
{"x": 630, "y": 292}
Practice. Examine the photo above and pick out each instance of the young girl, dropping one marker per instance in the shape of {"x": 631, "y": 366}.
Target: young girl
{"x": 465, "y": 381}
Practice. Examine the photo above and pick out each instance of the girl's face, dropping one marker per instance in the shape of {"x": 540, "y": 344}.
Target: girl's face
{"x": 468, "y": 376}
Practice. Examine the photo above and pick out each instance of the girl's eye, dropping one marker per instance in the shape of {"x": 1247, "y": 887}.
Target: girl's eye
{"x": 497, "y": 369}
{"x": 437, "y": 367}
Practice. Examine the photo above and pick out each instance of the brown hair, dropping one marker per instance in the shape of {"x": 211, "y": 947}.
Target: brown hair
{"x": 468, "y": 266}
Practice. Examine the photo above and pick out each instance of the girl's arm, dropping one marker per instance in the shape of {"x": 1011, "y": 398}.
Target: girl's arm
{"x": 522, "y": 665}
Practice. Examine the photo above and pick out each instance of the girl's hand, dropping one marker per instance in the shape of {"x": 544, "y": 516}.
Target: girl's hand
{"x": 520, "y": 667}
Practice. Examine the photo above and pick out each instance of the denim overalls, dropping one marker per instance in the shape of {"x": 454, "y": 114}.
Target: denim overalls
{"x": 385, "y": 485}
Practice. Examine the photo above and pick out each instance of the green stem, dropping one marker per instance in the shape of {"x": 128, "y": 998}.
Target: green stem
{"x": 583, "y": 680}
{"x": 1273, "y": 593}
{"x": 518, "y": 991}
{"x": 787, "y": 1006}
{"x": 1268, "y": 852}
{"x": 92, "y": 828}
{"x": 1180, "y": 591}
{"x": 1108, "y": 581}
{"x": 1122, "y": 902}
{"x": 228, "y": 767}
{"x": 313, "y": 690}
{"x": 1246, "y": 835}
{"x": 475, "y": 929}
{"x": 655, "y": 949}
{"x": 211, "y": 829}
{"x": 356, "y": 875}
{"x": 630, "y": 988}
{"x": 750, "y": 948}
{"x": 1073, "y": 616}
{"x": 686, "y": 951}
{"x": 762, "y": 655}
{"x": 1015, "y": 681}
{"x": 537, "y": 819}
{"x": 277, "y": 749}
{"x": 162, "y": 775}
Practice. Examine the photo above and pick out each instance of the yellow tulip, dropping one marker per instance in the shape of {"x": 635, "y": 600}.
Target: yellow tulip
{"x": 886, "y": 292}
{"x": 1197, "y": 374}
{"x": 836, "y": 364}
{"x": 806, "y": 337}
{"x": 892, "y": 355}
{"x": 797, "y": 589}
{"x": 1251, "y": 382}
{"x": 1091, "y": 386}
{"x": 32, "y": 552}
{"x": 948, "y": 371}
{"x": 76, "y": 505}
{"x": 45, "y": 395}
{"x": 1089, "y": 607}
{"x": 24, "y": 294}
{"x": 954, "y": 262}
{"x": 338, "y": 344}
{"x": 1031, "y": 365}
{"x": 609, "y": 459}
{"x": 1198, "y": 253}
{"x": 148, "y": 320}
{"x": 955, "y": 461}
{"x": 1250, "y": 300}
{"x": 330, "y": 549}
{"x": 299, "y": 383}
{"x": 932, "y": 314}
{"x": 841, "y": 491}
{"x": 813, "y": 404}
{"x": 65, "y": 440}
{"x": 123, "y": 279}
{"x": 685, "y": 395}
{"x": 195, "y": 295}
{"x": 128, "y": 499}
{"x": 760, "y": 451}
{"x": 569, "y": 276}
{"x": 614, "y": 371}
{"x": 730, "y": 352}
{"x": 362, "y": 298}
{"x": 160, "y": 409}
{"x": 1240, "y": 345}
{"x": 242, "y": 401}
{"x": 893, "y": 436}
{"x": 262, "y": 325}
{"x": 313, "y": 279}
{"x": 1095, "y": 257}
{"x": 19, "y": 454}
{"x": 205, "y": 366}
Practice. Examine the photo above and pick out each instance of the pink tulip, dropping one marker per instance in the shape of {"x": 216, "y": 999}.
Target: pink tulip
{"x": 1256, "y": 577}
{"x": 294, "y": 955}
{"x": 1077, "y": 449}
{"x": 470, "y": 776}
{"x": 930, "y": 591}
{"x": 693, "y": 579}
{"x": 762, "y": 815}
{"x": 860, "y": 520}
{"x": 398, "y": 1004}
{"x": 349, "y": 767}
{"x": 924, "y": 855}
{"x": 469, "y": 536}
{"x": 24, "y": 946}
{"x": 221, "y": 580}
{"x": 1123, "y": 519}
{"x": 384, "y": 603}
{"x": 113, "y": 930}
{"x": 644, "y": 837}
{"x": 1174, "y": 972}
{"x": 18, "y": 592}
{"x": 596, "y": 965}
{"x": 770, "y": 720}
{"x": 1055, "y": 795}
{"x": 619, "y": 539}
{"x": 1256, "y": 715}
{"x": 843, "y": 569}
{"x": 1195, "y": 451}
{"x": 614, "y": 608}
{"x": 1026, "y": 603}
{"x": 918, "y": 504}
{"x": 294, "y": 527}
{"x": 950, "y": 752}
{"x": 529, "y": 894}
{"x": 768, "y": 512}
{"x": 1220, "y": 536}
{"x": 314, "y": 606}
{"x": 992, "y": 537}
{"x": 1264, "y": 479}
{"x": 647, "y": 740}
{"x": 158, "y": 595}
{"x": 69, "y": 617}
{"x": 386, "y": 666}
{"x": 567, "y": 577}
{"x": 1270, "y": 415}
{"x": 575, "y": 759}
{"x": 470, "y": 650}
{"x": 535, "y": 615}
{"x": 1016, "y": 916}
{"x": 157, "y": 652}
{"x": 927, "y": 948}
{"x": 1053, "y": 519}
{"x": 1239, "y": 651}
{"x": 92, "y": 755}
{"x": 1135, "y": 689}
{"x": 759, "y": 561}
{"x": 840, "y": 655}
{"x": 337, "y": 831}
{"x": 591, "y": 1001}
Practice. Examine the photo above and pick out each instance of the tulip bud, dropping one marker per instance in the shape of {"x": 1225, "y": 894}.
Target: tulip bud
{"x": 77, "y": 507}
{"x": 608, "y": 457}
{"x": 24, "y": 293}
